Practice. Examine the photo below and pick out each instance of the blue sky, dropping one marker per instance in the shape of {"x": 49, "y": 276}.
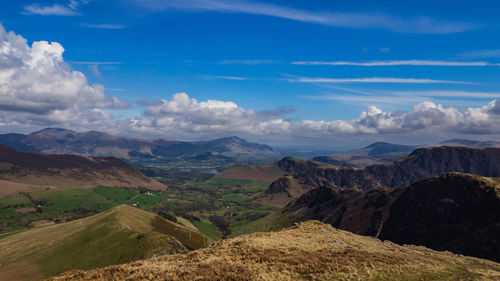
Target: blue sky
{"x": 283, "y": 72}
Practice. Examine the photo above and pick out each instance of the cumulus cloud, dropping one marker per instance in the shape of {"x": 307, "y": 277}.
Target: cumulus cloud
{"x": 187, "y": 117}
{"x": 37, "y": 86}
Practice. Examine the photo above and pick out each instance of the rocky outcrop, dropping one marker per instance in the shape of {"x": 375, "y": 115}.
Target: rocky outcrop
{"x": 455, "y": 212}
{"x": 421, "y": 164}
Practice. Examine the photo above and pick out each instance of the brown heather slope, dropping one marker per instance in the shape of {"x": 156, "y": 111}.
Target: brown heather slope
{"x": 421, "y": 164}
{"x": 455, "y": 212}
{"x": 70, "y": 170}
{"x": 308, "y": 251}
{"x": 116, "y": 236}
{"x": 256, "y": 173}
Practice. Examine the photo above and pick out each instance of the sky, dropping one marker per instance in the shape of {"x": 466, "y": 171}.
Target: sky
{"x": 329, "y": 74}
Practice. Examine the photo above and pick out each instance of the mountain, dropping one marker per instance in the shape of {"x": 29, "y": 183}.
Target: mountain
{"x": 473, "y": 143}
{"x": 307, "y": 251}
{"x": 420, "y": 164}
{"x": 455, "y": 212}
{"x": 383, "y": 152}
{"x": 359, "y": 161}
{"x": 380, "y": 148}
{"x": 119, "y": 235}
{"x": 93, "y": 143}
{"x": 234, "y": 145}
{"x": 70, "y": 170}
{"x": 375, "y": 153}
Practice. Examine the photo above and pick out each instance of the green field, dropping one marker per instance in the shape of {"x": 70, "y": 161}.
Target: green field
{"x": 242, "y": 185}
{"x": 195, "y": 202}
{"x": 119, "y": 235}
{"x": 66, "y": 204}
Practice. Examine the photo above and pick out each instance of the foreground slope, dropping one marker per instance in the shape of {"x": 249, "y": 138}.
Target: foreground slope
{"x": 70, "y": 170}
{"x": 120, "y": 235}
{"x": 308, "y": 251}
{"x": 455, "y": 212}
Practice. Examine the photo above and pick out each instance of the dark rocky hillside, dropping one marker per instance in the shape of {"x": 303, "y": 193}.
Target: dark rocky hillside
{"x": 454, "y": 212}
{"x": 72, "y": 170}
{"x": 420, "y": 164}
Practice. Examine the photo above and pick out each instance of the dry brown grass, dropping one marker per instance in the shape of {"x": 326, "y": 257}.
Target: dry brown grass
{"x": 266, "y": 174}
{"x": 308, "y": 251}
{"x": 9, "y": 188}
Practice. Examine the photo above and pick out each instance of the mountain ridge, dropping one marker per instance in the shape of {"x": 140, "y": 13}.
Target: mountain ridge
{"x": 119, "y": 235}
{"x": 95, "y": 143}
{"x": 329, "y": 254}
{"x": 455, "y": 212}
{"x": 70, "y": 170}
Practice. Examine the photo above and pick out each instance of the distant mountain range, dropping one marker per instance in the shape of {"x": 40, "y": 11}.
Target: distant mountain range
{"x": 68, "y": 170}
{"x": 93, "y": 143}
{"x": 473, "y": 143}
{"x": 383, "y": 152}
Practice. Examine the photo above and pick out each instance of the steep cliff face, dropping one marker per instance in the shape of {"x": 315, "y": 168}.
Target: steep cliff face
{"x": 353, "y": 210}
{"x": 455, "y": 212}
{"x": 421, "y": 164}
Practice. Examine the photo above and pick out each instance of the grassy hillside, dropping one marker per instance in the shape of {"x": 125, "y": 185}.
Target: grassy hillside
{"x": 70, "y": 170}
{"x": 309, "y": 251}
{"x": 120, "y": 235}
{"x": 23, "y": 210}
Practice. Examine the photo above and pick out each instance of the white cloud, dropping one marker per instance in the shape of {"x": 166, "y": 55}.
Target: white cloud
{"x": 338, "y": 19}
{"x": 249, "y": 62}
{"x": 186, "y": 117}
{"x": 385, "y": 50}
{"x": 54, "y": 10}
{"x": 104, "y": 26}
{"x": 373, "y": 80}
{"x": 235, "y": 78}
{"x": 495, "y": 53}
{"x": 70, "y": 9}
{"x": 398, "y": 63}
{"x": 38, "y": 87}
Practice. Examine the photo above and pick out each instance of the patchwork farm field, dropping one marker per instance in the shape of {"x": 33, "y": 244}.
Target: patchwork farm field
{"x": 218, "y": 207}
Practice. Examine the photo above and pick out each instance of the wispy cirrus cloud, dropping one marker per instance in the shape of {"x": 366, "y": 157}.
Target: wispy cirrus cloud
{"x": 94, "y": 66}
{"x": 482, "y": 54}
{"x": 338, "y": 19}
{"x": 398, "y": 63}
{"x": 70, "y": 9}
{"x": 249, "y": 62}
{"x": 404, "y": 97}
{"x": 96, "y": 62}
{"x": 372, "y": 80}
{"x": 104, "y": 26}
{"x": 234, "y": 78}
